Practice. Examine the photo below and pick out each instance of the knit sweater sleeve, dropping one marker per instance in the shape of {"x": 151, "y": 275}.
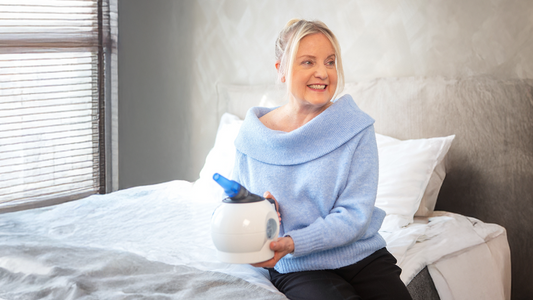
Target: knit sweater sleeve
{"x": 350, "y": 219}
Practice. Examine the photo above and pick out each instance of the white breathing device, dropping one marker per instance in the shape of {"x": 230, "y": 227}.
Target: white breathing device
{"x": 244, "y": 225}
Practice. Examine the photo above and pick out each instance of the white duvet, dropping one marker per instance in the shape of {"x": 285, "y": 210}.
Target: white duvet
{"x": 167, "y": 225}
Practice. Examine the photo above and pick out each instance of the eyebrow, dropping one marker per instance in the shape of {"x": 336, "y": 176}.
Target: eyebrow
{"x": 314, "y": 57}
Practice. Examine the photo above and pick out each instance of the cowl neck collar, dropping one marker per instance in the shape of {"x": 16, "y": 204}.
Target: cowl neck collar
{"x": 326, "y": 132}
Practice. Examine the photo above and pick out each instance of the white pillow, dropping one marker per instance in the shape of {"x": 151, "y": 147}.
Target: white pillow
{"x": 405, "y": 169}
{"x": 429, "y": 200}
{"x": 220, "y": 159}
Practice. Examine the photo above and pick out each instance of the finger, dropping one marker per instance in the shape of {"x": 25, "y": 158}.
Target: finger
{"x": 278, "y": 247}
{"x": 274, "y": 246}
{"x": 271, "y": 263}
{"x": 283, "y": 245}
{"x": 268, "y": 195}
{"x": 266, "y": 264}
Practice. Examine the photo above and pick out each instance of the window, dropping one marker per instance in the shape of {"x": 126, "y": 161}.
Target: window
{"x": 57, "y": 101}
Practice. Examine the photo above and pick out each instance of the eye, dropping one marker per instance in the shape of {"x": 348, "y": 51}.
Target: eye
{"x": 307, "y": 62}
{"x": 330, "y": 63}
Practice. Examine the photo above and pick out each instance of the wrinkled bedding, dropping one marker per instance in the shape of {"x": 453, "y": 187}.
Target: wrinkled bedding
{"x": 38, "y": 271}
{"x": 154, "y": 242}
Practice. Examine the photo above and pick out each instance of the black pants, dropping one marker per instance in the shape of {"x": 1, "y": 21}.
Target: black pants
{"x": 375, "y": 277}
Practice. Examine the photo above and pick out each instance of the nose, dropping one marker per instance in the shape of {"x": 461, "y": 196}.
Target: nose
{"x": 321, "y": 72}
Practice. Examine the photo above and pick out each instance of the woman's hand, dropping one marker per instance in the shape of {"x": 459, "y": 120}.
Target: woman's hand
{"x": 281, "y": 247}
{"x": 268, "y": 195}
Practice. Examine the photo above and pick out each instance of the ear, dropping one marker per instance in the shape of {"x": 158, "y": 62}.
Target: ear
{"x": 278, "y": 66}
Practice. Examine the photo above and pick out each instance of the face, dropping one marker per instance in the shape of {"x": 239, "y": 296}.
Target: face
{"x": 314, "y": 73}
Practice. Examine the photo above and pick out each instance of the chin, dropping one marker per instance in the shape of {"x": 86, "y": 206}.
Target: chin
{"x": 321, "y": 99}
{"x": 319, "y": 102}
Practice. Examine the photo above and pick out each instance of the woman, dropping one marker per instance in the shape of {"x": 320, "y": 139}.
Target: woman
{"x": 319, "y": 159}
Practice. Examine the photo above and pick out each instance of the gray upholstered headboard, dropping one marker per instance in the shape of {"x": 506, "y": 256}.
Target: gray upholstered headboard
{"x": 490, "y": 164}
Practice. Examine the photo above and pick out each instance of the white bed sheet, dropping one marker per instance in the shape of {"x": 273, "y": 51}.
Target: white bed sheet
{"x": 167, "y": 223}
{"x": 488, "y": 275}
{"x": 466, "y": 258}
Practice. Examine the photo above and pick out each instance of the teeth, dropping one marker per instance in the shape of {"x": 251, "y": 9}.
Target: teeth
{"x": 317, "y": 86}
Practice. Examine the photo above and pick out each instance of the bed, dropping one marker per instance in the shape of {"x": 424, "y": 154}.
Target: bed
{"x": 440, "y": 178}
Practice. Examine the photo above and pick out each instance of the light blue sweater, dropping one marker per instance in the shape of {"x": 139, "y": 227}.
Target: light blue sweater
{"x": 324, "y": 176}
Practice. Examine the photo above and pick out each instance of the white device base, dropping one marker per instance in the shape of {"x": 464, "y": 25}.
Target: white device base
{"x": 247, "y": 258}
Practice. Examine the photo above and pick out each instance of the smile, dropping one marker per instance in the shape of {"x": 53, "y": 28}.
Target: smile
{"x": 317, "y": 86}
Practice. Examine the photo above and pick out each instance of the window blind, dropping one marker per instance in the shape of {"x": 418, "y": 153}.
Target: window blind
{"x": 52, "y": 108}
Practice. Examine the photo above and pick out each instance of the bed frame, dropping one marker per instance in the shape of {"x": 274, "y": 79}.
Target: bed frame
{"x": 490, "y": 164}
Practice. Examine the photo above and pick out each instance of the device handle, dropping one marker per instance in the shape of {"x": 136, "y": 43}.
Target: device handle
{"x": 274, "y": 203}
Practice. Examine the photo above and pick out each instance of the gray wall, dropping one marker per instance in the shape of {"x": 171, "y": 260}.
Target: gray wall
{"x": 155, "y": 64}
{"x": 172, "y": 54}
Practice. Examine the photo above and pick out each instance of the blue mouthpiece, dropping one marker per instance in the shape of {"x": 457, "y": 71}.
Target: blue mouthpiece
{"x": 231, "y": 188}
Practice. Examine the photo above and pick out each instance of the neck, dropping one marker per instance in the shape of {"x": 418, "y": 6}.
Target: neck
{"x": 294, "y": 115}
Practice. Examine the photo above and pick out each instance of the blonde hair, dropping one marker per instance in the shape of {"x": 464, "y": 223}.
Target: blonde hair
{"x": 288, "y": 42}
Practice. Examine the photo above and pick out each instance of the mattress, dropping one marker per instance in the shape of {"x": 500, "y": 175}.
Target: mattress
{"x": 155, "y": 240}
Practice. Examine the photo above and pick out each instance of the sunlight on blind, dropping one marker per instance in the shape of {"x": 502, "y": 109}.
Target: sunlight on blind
{"x": 49, "y": 135}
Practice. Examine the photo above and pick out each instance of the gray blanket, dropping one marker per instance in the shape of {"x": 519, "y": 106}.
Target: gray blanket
{"x": 35, "y": 271}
